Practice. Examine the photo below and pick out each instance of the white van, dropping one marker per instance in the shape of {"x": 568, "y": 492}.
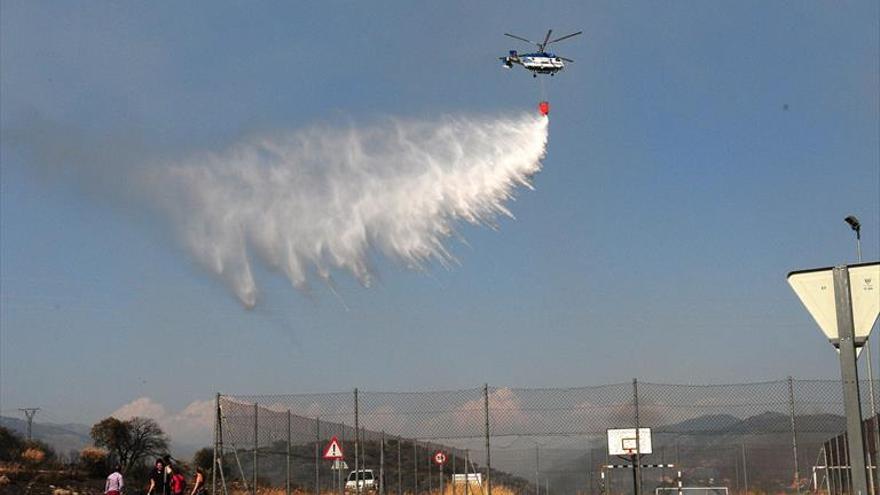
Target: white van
{"x": 364, "y": 477}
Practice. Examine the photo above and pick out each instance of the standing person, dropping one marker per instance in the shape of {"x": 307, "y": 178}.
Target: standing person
{"x": 199, "y": 482}
{"x": 114, "y": 483}
{"x": 178, "y": 481}
{"x": 159, "y": 480}
{"x": 169, "y": 471}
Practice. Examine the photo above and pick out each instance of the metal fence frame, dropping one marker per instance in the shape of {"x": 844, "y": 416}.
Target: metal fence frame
{"x": 480, "y": 411}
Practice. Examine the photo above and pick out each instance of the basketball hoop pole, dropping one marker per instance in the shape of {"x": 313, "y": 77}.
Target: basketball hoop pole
{"x": 635, "y": 463}
{"x": 636, "y": 460}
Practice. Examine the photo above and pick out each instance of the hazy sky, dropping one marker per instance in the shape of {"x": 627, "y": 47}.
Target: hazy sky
{"x": 699, "y": 151}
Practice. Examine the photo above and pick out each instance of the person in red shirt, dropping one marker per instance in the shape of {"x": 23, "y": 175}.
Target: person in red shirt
{"x": 178, "y": 481}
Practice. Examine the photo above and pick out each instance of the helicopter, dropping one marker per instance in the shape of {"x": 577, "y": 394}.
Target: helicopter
{"x": 540, "y": 62}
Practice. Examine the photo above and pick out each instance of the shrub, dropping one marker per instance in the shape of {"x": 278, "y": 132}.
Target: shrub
{"x": 10, "y": 445}
{"x": 204, "y": 458}
{"x": 94, "y": 461}
{"x": 33, "y": 456}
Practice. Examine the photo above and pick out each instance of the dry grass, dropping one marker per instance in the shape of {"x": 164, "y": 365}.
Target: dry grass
{"x": 474, "y": 489}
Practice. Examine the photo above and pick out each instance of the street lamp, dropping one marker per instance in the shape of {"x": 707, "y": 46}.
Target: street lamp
{"x": 855, "y": 225}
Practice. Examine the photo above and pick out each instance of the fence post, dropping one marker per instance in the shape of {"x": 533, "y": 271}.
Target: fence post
{"x": 736, "y": 470}
{"x": 256, "y": 444}
{"x": 287, "y": 459}
{"x": 841, "y": 487}
{"x": 452, "y": 481}
{"x": 467, "y": 472}
{"x": 357, "y": 485}
{"x": 794, "y": 446}
{"x": 829, "y": 454}
{"x": 399, "y": 468}
{"x": 590, "y": 469}
{"x": 216, "y": 443}
{"x": 364, "y": 454}
{"x": 341, "y": 475}
{"x": 872, "y": 434}
{"x": 537, "y": 470}
{"x": 488, "y": 448}
{"x": 442, "y": 475}
{"x": 415, "y": 468}
{"x": 317, "y": 454}
{"x": 745, "y": 468}
{"x": 382, "y": 465}
{"x": 866, "y": 432}
{"x": 430, "y": 469}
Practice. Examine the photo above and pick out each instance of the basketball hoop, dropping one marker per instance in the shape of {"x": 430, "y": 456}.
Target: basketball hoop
{"x": 627, "y": 442}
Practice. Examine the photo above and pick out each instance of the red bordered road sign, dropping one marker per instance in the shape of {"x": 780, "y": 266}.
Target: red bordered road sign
{"x": 439, "y": 457}
{"x": 333, "y": 451}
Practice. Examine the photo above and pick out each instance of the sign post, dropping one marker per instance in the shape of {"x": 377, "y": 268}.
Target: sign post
{"x": 845, "y": 301}
{"x": 849, "y": 373}
{"x": 439, "y": 458}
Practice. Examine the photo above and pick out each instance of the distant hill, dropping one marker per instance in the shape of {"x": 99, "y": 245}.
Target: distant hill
{"x": 62, "y": 438}
{"x": 709, "y": 423}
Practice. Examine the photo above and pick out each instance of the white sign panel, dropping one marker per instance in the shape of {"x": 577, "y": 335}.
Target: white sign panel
{"x": 622, "y": 441}
{"x": 815, "y": 289}
{"x": 461, "y": 479}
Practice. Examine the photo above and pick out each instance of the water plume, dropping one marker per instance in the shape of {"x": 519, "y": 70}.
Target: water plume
{"x": 323, "y": 199}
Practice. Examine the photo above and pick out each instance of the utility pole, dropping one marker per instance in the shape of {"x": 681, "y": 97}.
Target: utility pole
{"x": 29, "y": 413}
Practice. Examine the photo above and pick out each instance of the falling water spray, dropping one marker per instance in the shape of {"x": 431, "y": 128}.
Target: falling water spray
{"x": 321, "y": 200}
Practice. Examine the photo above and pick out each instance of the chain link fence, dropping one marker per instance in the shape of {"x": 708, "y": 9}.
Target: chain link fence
{"x": 770, "y": 437}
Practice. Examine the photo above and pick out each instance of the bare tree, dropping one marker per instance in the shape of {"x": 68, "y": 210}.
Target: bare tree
{"x": 130, "y": 441}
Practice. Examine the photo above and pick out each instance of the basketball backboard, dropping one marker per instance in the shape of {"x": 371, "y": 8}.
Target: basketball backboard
{"x": 622, "y": 441}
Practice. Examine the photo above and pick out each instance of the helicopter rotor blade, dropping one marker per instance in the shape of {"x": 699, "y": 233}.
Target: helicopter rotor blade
{"x": 566, "y": 59}
{"x": 542, "y": 45}
{"x": 566, "y": 37}
{"x": 520, "y": 38}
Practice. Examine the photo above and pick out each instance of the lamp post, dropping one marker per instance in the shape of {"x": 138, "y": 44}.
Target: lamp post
{"x": 857, "y": 227}
{"x": 854, "y": 224}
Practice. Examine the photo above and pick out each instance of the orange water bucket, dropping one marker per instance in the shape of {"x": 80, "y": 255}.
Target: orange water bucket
{"x": 544, "y": 108}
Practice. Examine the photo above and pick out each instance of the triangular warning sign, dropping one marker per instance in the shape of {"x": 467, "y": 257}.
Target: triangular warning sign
{"x": 333, "y": 451}
{"x": 815, "y": 288}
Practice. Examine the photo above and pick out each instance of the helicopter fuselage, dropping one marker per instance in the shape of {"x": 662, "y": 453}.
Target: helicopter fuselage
{"x": 539, "y": 63}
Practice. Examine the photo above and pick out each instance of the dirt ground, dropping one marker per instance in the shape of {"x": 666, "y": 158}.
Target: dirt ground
{"x": 15, "y": 480}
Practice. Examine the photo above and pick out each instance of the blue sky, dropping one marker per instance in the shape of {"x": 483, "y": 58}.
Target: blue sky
{"x": 699, "y": 151}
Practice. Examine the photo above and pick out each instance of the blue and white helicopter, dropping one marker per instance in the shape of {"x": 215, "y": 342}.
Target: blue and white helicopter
{"x": 540, "y": 62}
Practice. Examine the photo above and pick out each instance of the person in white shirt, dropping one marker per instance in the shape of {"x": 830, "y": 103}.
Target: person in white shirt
{"x": 114, "y": 482}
